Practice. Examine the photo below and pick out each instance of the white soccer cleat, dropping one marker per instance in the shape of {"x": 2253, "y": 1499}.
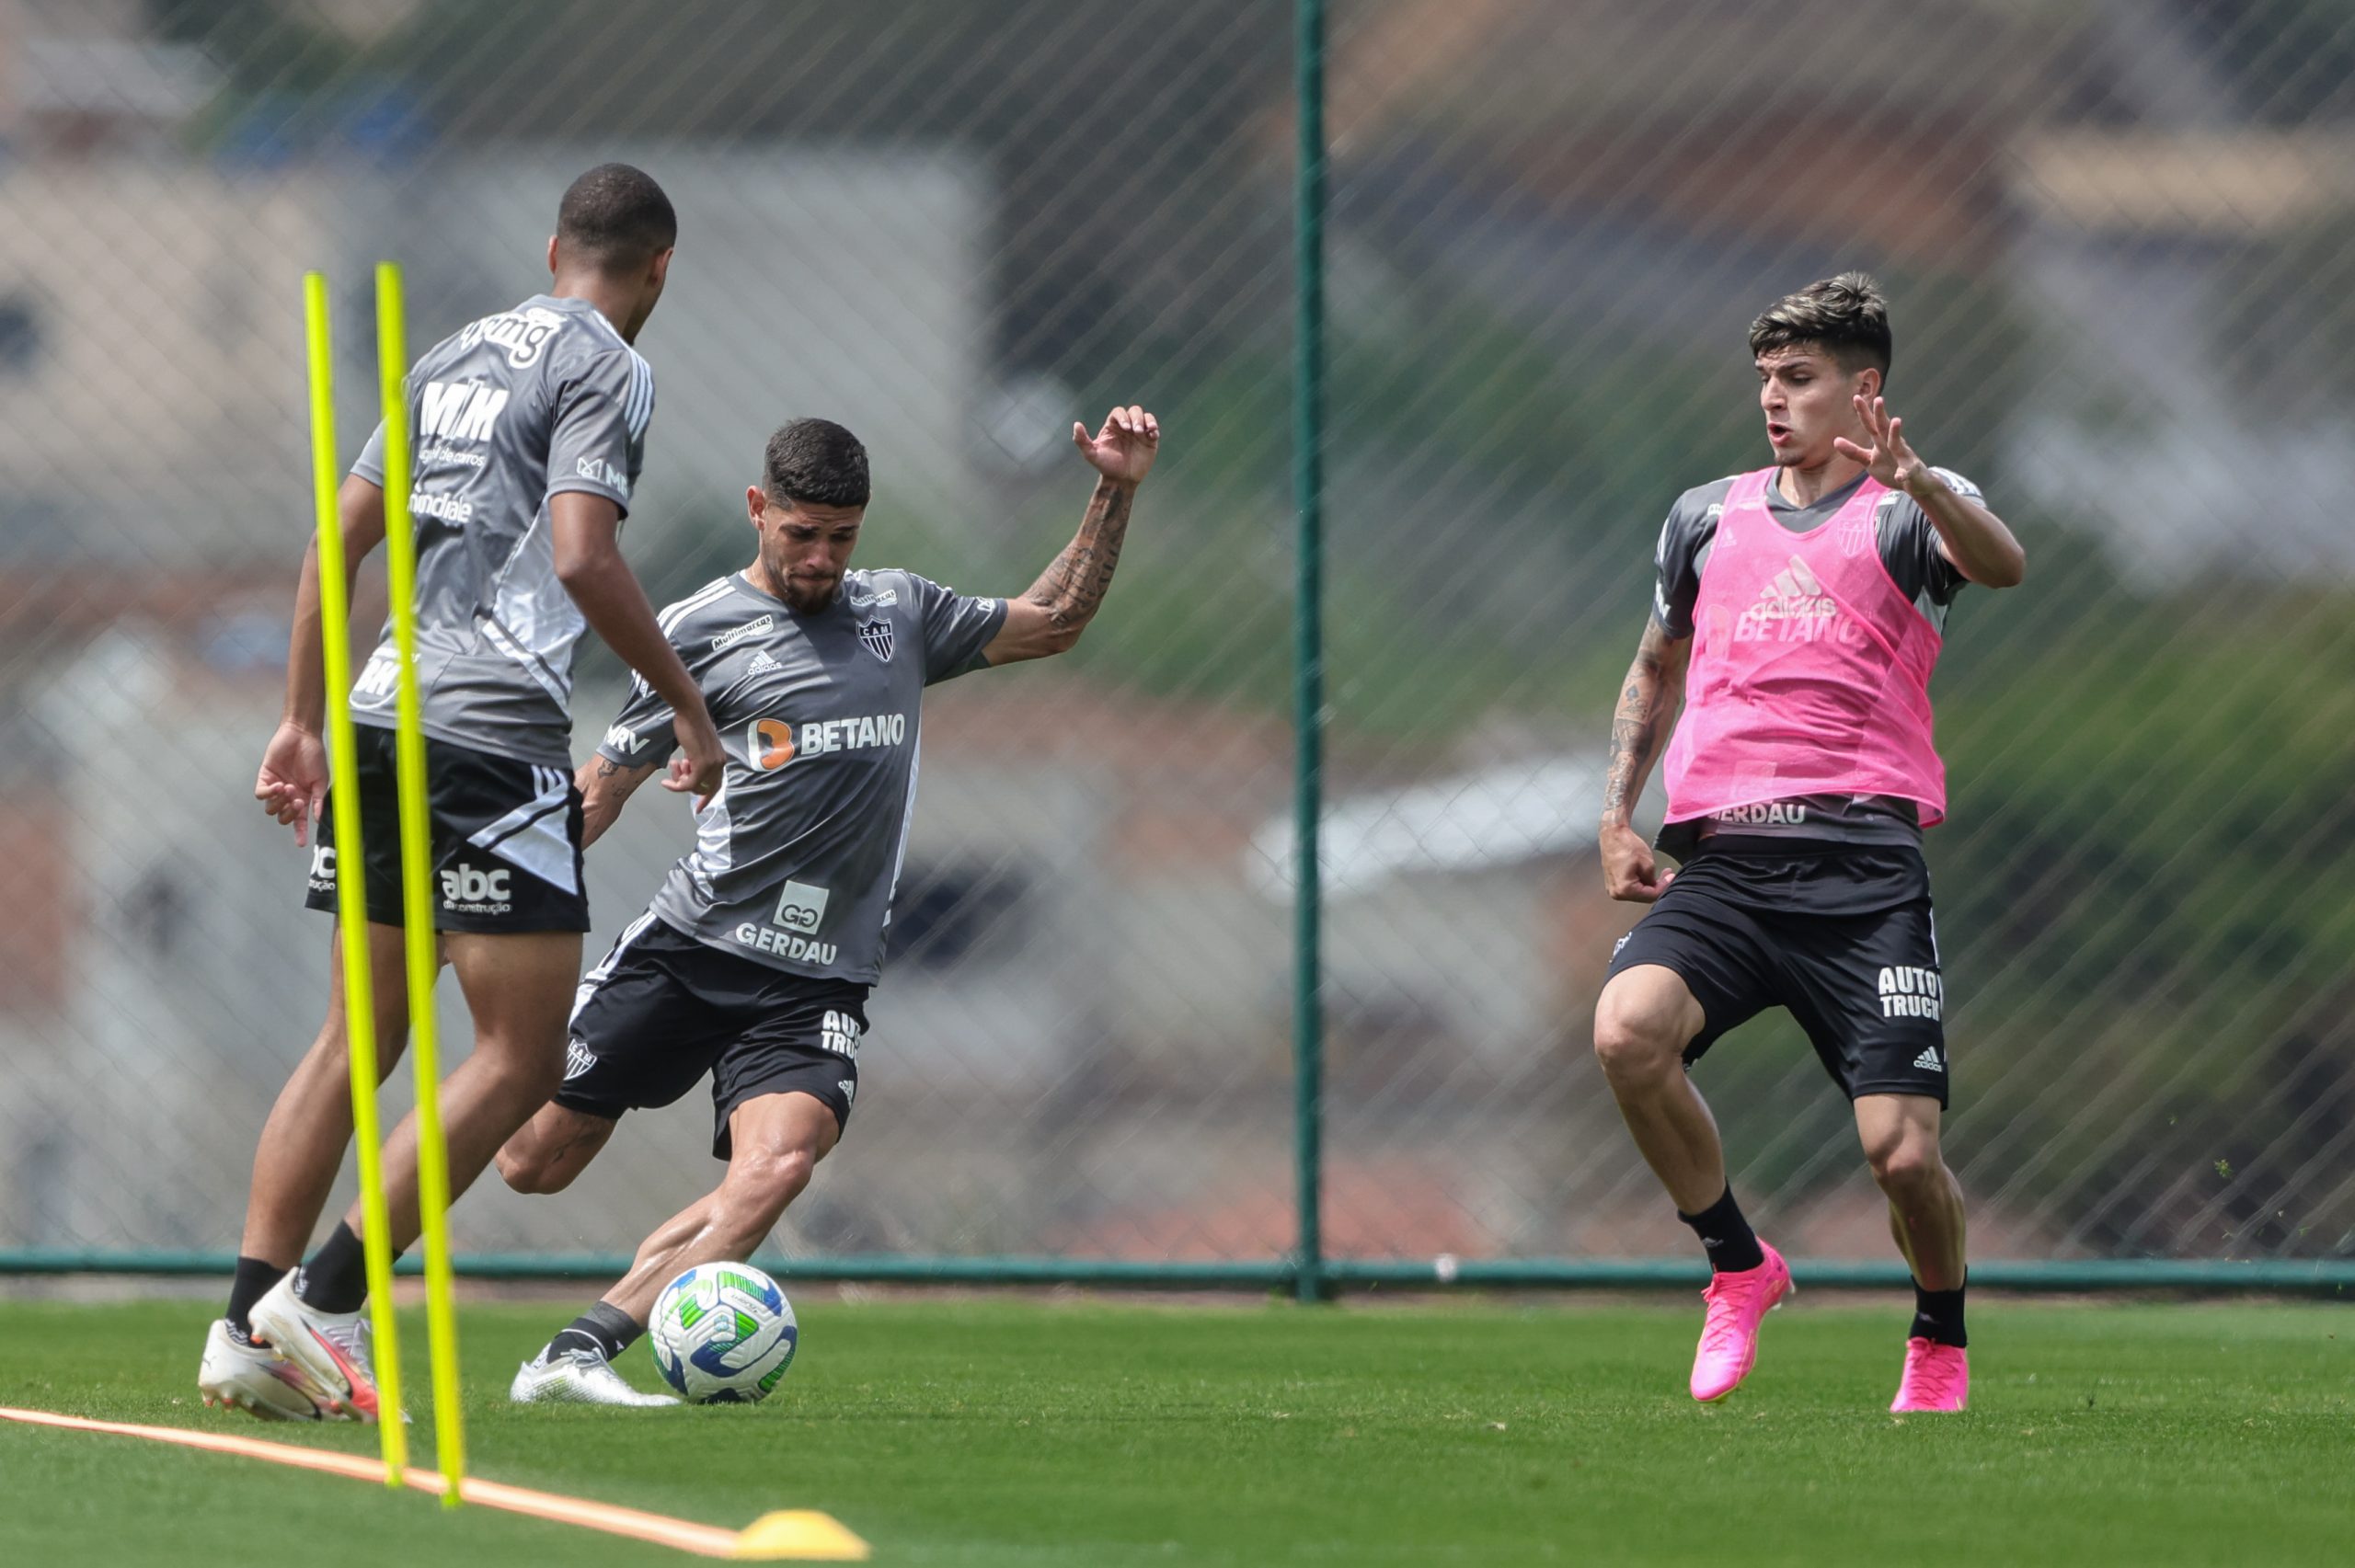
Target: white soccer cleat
{"x": 575, "y": 1376}
{"x": 330, "y": 1349}
{"x": 237, "y": 1374}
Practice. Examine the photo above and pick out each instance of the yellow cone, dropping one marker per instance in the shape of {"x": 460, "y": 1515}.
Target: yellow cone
{"x": 803, "y": 1534}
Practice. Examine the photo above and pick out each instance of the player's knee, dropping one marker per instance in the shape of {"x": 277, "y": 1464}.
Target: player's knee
{"x": 529, "y": 1076}
{"x": 520, "y": 1174}
{"x": 392, "y": 1043}
{"x": 762, "y": 1183}
{"x": 1634, "y": 1044}
{"x": 1904, "y": 1165}
{"x": 780, "y": 1174}
{"x": 531, "y": 1170}
{"x": 328, "y": 1064}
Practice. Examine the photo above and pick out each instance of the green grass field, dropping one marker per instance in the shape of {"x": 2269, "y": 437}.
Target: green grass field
{"x": 1006, "y": 1432}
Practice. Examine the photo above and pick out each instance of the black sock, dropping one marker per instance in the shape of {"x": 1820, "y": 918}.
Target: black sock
{"x": 250, "y": 1284}
{"x": 604, "y": 1328}
{"x": 1733, "y": 1246}
{"x": 1937, "y": 1315}
{"x": 335, "y": 1279}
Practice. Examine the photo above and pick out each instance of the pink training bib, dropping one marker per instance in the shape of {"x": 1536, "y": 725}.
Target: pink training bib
{"x": 1810, "y": 670}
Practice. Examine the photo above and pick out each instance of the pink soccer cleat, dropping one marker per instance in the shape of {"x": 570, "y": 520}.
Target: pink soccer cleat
{"x": 1937, "y": 1377}
{"x": 1730, "y": 1335}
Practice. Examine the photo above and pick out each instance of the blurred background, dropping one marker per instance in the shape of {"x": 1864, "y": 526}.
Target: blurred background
{"x": 2118, "y": 237}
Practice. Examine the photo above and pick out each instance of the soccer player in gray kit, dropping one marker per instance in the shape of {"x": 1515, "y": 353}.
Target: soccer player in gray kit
{"x": 531, "y": 431}
{"x": 755, "y": 960}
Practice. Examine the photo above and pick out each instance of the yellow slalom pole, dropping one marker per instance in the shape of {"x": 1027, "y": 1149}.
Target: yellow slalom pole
{"x": 350, "y": 883}
{"x": 417, "y": 892}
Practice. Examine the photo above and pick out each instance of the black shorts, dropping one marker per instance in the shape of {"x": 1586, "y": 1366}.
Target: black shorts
{"x": 1840, "y": 936}
{"x": 662, "y": 1010}
{"x": 506, "y": 840}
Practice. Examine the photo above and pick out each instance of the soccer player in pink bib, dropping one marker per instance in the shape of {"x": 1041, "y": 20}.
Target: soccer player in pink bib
{"x": 1799, "y": 611}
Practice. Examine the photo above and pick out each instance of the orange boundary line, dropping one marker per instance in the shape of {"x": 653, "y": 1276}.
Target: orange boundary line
{"x": 704, "y": 1540}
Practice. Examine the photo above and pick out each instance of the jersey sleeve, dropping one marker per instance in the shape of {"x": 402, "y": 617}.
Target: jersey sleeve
{"x": 370, "y": 464}
{"x": 597, "y": 438}
{"x": 1676, "y": 566}
{"x": 640, "y": 734}
{"x": 1909, "y": 547}
{"x": 955, "y": 628}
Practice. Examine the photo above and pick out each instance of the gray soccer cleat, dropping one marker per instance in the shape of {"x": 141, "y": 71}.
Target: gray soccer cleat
{"x": 575, "y": 1376}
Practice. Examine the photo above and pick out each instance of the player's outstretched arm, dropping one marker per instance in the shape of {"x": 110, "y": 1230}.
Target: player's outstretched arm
{"x": 1969, "y": 535}
{"x": 1647, "y": 710}
{"x": 292, "y": 784}
{"x": 605, "y": 787}
{"x": 1049, "y": 618}
{"x": 586, "y": 532}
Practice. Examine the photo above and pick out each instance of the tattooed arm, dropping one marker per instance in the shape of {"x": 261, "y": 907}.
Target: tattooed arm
{"x": 1647, "y": 710}
{"x": 604, "y": 786}
{"x": 1050, "y": 616}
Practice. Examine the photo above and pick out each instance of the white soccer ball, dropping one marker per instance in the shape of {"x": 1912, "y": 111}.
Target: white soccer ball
{"x": 723, "y": 1334}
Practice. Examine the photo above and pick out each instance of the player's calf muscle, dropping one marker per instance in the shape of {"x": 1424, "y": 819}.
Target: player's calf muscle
{"x": 778, "y": 1142}
{"x": 741, "y": 1221}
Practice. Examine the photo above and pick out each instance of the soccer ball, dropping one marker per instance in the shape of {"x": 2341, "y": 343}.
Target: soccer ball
{"x": 723, "y": 1334}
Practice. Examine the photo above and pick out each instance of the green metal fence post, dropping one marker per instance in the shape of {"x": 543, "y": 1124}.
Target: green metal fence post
{"x": 1308, "y": 650}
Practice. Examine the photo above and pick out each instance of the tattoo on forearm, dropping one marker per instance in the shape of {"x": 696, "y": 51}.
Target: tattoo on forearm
{"x": 607, "y": 767}
{"x": 1640, "y": 726}
{"x": 1073, "y": 586}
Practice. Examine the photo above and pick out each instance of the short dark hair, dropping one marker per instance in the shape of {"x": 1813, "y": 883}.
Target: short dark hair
{"x": 1845, "y": 316}
{"x": 614, "y": 217}
{"x": 818, "y": 462}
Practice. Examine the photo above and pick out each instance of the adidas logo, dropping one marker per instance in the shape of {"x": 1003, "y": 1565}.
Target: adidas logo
{"x": 848, "y": 1086}
{"x": 1793, "y": 607}
{"x": 1795, "y": 594}
{"x": 1928, "y": 1060}
{"x": 763, "y": 664}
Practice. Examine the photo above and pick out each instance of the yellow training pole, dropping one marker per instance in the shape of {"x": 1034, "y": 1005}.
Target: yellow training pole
{"x": 417, "y": 891}
{"x": 351, "y": 882}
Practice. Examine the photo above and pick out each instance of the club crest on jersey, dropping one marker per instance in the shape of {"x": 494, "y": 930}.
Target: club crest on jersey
{"x": 877, "y": 636}
{"x": 1861, "y": 533}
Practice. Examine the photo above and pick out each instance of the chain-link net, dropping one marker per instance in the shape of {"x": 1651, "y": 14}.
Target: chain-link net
{"x": 2116, "y": 239}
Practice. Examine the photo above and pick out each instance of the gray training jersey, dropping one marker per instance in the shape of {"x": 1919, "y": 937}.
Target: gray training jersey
{"x": 511, "y": 410}
{"x": 797, "y": 859}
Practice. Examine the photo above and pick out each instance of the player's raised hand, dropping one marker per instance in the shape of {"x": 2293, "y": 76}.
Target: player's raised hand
{"x": 1124, "y": 449}
{"x": 292, "y": 784}
{"x": 1888, "y": 459}
{"x": 698, "y": 769}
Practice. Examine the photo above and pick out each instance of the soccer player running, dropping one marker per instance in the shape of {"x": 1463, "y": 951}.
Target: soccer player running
{"x": 1799, "y": 615}
{"x": 532, "y": 426}
{"x": 754, "y": 961}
